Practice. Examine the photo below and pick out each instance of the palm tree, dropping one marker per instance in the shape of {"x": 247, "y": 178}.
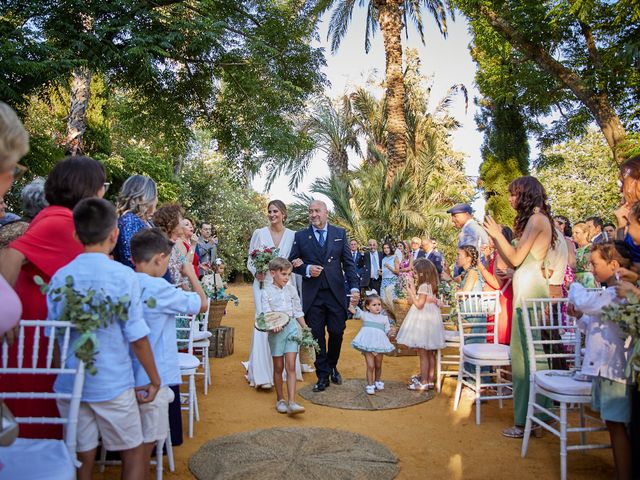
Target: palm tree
{"x": 330, "y": 129}
{"x": 391, "y": 17}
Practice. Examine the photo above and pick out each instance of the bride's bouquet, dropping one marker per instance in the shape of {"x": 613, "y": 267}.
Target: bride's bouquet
{"x": 260, "y": 257}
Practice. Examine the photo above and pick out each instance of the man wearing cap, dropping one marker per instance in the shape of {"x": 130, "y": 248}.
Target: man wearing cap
{"x": 471, "y": 232}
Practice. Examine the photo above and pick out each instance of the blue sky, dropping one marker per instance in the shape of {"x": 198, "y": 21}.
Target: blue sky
{"x": 446, "y": 60}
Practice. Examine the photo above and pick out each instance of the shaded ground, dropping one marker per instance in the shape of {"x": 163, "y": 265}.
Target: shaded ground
{"x": 430, "y": 439}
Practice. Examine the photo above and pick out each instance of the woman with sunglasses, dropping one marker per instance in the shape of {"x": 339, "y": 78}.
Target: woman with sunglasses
{"x": 46, "y": 246}
{"x": 14, "y": 144}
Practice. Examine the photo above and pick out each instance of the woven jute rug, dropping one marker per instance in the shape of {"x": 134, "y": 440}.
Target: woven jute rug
{"x": 352, "y": 396}
{"x": 292, "y": 454}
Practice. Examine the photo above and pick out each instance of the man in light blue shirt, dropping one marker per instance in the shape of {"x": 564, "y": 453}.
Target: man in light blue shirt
{"x": 471, "y": 232}
{"x": 109, "y": 405}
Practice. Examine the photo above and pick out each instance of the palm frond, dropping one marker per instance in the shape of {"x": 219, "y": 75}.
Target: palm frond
{"x": 339, "y": 23}
{"x": 372, "y": 25}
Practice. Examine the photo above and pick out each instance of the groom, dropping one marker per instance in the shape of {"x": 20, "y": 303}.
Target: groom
{"x": 324, "y": 250}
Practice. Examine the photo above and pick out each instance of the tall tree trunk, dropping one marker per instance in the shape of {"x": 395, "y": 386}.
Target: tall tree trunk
{"x": 390, "y": 19}
{"x": 596, "y": 102}
{"x": 338, "y": 163}
{"x": 77, "y": 121}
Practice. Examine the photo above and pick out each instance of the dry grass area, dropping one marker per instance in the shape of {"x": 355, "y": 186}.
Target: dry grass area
{"x": 430, "y": 439}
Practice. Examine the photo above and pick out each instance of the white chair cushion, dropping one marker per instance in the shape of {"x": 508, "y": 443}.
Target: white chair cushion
{"x": 560, "y": 381}
{"x": 197, "y": 336}
{"x": 37, "y": 459}
{"x": 187, "y": 362}
{"x": 487, "y": 351}
{"x": 452, "y": 336}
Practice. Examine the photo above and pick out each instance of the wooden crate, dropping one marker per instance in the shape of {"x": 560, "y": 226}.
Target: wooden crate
{"x": 221, "y": 342}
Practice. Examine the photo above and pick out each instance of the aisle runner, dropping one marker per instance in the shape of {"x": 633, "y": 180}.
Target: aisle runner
{"x": 351, "y": 396}
{"x": 292, "y": 454}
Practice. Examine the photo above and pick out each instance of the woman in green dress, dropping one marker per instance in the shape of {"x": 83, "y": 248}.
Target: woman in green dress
{"x": 581, "y": 236}
{"x": 535, "y": 235}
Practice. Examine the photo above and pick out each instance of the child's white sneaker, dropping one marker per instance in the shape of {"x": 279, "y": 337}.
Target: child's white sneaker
{"x": 281, "y": 406}
{"x": 370, "y": 389}
{"x": 295, "y": 408}
{"x": 379, "y": 385}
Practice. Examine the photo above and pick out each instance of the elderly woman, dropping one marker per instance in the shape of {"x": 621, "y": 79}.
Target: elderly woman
{"x": 14, "y": 144}
{"x": 46, "y": 246}
{"x": 136, "y": 204}
{"x": 33, "y": 201}
{"x": 581, "y": 235}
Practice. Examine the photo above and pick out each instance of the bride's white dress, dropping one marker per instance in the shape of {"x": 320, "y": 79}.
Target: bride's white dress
{"x": 260, "y": 366}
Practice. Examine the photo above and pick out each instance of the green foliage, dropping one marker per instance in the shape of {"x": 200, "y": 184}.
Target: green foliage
{"x": 627, "y": 317}
{"x": 411, "y": 11}
{"x": 608, "y": 72}
{"x": 211, "y": 193}
{"x": 580, "y": 177}
{"x": 305, "y": 339}
{"x": 505, "y": 155}
{"x": 88, "y": 311}
{"x": 241, "y": 68}
{"x": 416, "y": 201}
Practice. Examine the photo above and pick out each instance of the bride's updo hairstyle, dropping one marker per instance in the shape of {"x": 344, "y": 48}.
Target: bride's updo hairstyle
{"x": 530, "y": 198}
{"x": 279, "y": 204}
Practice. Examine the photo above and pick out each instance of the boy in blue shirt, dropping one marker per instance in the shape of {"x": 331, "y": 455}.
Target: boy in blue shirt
{"x": 150, "y": 252}
{"x": 109, "y": 407}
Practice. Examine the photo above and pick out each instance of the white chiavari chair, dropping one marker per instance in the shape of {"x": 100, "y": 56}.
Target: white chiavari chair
{"x": 186, "y": 327}
{"x": 552, "y": 337}
{"x": 480, "y": 348}
{"x": 55, "y": 458}
{"x": 201, "y": 344}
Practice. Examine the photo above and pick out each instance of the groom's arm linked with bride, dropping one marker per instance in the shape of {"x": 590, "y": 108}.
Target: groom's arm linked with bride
{"x": 326, "y": 261}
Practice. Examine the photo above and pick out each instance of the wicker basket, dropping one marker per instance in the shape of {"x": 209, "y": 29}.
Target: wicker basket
{"x": 307, "y": 355}
{"x": 216, "y": 312}
{"x": 401, "y": 307}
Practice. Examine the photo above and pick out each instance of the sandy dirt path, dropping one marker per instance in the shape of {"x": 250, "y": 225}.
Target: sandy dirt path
{"x": 430, "y": 439}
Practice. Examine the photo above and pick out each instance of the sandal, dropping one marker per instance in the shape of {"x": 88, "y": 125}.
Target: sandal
{"x": 513, "y": 432}
{"x": 419, "y": 387}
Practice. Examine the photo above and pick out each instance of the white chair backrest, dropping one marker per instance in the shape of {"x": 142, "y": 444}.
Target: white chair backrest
{"x": 203, "y": 319}
{"x": 553, "y": 337}
{"x": 474, "y": 308}
{"x": 186, "y": 326}
{"x": 46, "y": 361}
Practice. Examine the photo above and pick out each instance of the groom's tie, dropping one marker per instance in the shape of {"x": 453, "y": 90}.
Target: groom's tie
{"x": 321, "y": 238}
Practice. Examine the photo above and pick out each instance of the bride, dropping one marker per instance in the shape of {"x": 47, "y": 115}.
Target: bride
{"x": 260, "y": 366}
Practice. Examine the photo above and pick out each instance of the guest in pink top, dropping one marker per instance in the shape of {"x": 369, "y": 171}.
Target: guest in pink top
{"x": 14, "y": 144}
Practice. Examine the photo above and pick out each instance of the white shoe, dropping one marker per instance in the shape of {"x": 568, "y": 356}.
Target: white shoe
{"x": 370, "y": 389}
{"x": 266, "y": 386}
{"x": 281, "y": 406}
{"x": 379, "y": 385}
{"x": 304, "y": 368}
{"x": 294, "y": 408}
{"x": 419, "y": 387}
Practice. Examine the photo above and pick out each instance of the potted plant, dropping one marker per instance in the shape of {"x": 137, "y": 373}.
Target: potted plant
{"x": 401, "y": 304}
{"x": 218, "y": 299}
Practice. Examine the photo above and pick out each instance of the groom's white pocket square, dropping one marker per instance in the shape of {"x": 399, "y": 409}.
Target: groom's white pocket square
{"x": 337, "y": 239}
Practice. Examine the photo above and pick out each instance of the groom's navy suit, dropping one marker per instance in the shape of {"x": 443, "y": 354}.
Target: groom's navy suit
{"x": 324, "y": 299}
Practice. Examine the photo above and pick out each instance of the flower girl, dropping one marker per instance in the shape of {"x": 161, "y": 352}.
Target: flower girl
{"x": 372, "y": 340}
{"x": 422, "y": 328}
